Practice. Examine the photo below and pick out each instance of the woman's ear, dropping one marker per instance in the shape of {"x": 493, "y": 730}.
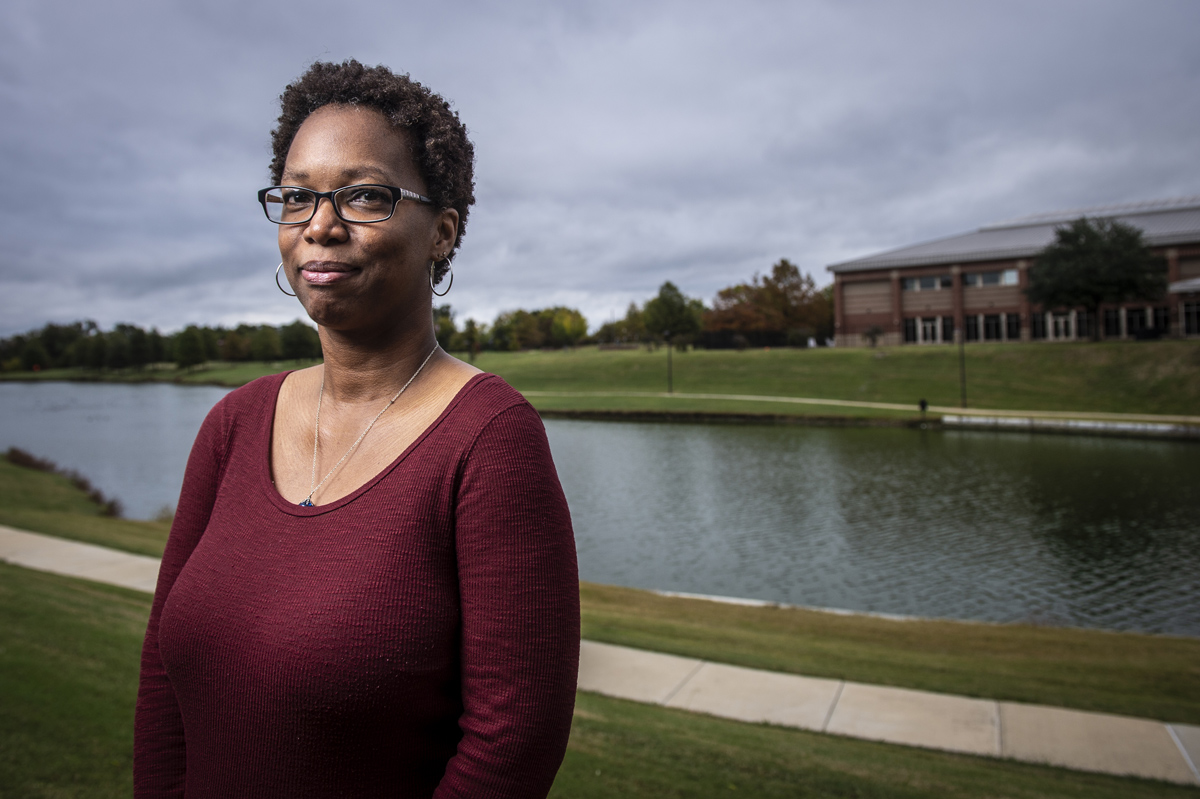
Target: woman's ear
{"x": 446, "y": 233}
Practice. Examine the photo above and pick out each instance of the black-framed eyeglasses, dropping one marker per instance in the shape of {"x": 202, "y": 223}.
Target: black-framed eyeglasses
{"x": 364, "y": 202}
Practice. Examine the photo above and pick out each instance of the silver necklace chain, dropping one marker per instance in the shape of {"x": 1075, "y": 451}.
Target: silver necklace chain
{"x": 308, "y": 503}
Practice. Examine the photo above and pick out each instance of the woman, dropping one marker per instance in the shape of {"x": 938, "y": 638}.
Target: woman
{"x": 370, "y": 586}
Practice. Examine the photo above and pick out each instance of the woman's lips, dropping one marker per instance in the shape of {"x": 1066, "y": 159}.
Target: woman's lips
{"x": 323, "y": 274}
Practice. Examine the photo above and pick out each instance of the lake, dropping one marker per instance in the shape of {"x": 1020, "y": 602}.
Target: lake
{"x": 1057, "y": 530}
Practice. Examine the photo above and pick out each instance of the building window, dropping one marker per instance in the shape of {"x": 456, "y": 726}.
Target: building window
{"x": 1112, "y": 323}
{"x": 1135, "y": 321}
{"x": 991, "y": 327}
{"x": 934, "y": 283}
{"x": 971, "y": 323}
{"x": 1008, "y": 277}
{"x": 1162, "y": 320}
{"x": 1191, "y": 318}
{"x": 1012, "y": 327}
{"x": 1037, "y": 326}
{"x": 1084, "y": 324}
{"x": 947, "y": 329}
{"x": 910, "y": 331}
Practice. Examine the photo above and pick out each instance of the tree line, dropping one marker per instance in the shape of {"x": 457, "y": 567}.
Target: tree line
{"x": 84, "y": 345}
{"x": 782, "y": 308}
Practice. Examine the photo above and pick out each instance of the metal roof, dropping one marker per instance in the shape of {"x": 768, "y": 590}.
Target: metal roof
{"x": 1164, "y": 222}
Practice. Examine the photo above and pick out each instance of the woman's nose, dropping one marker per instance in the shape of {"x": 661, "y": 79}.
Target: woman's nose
{"x": 325, "y": 224}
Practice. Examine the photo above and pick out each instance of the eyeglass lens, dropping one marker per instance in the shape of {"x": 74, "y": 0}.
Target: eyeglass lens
{"x": 289, "y": 205}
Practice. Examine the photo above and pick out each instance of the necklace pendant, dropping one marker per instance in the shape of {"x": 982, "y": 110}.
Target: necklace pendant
{"x": 307, "y": 503}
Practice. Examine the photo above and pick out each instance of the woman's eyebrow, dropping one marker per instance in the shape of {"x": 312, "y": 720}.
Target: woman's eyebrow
{"x": 351, "y": 175}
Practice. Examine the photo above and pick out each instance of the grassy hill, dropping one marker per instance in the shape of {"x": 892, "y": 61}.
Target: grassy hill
{"x": 1161, "y": 377}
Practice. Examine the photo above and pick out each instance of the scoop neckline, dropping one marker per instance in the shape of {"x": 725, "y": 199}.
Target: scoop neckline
{"x": 293, "y": 509}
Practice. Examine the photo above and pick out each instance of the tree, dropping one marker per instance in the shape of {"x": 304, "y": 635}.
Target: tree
{"x": 265, "y": 344}
{"x": 631, "y": 328}
{"x": 443, "y": 325}
{"x": 784, "y": 306}
{"x": 471, "y": 338}
{"x": 1093, "y": 262}
{"x": 189, "y": 348}
{"x": 34, "y": 356}
{"x": 300, "y": 341}
{"x": 567, "y": 326}
{"x": 673, "y": 315}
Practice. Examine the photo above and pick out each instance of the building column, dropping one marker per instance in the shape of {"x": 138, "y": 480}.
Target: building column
{"x": 1174, "y": 301}
{"x": 1074, "y": 325}
{"x": 1023, "y": 284}
{"x": 897, "y": 320}
{"x": 1124, "y": 326}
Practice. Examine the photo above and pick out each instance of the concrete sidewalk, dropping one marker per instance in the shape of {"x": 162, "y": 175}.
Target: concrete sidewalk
{"x": 1074, "y": 739}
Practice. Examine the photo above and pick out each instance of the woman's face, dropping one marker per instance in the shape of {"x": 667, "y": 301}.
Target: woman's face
{"x": 360, "y": 276}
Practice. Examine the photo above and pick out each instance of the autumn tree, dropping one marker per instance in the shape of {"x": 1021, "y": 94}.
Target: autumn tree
{"x": 784, "y": 306}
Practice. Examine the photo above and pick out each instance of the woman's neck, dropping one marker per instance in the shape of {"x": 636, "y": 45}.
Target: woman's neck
{"x": 368, "y": 367}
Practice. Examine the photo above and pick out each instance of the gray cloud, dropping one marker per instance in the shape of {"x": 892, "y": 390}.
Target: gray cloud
{"x": 618, "y": 144}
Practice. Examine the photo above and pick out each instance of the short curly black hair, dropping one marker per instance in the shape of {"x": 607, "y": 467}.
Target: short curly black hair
{"x": 440, "y": 148}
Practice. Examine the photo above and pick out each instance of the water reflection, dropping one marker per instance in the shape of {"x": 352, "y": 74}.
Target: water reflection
{"x": 1002, "y": 527}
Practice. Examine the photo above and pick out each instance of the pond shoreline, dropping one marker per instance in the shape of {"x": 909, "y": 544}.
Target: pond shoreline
{"x": 940, "y": 422}
{"x": 1075, "y": 427}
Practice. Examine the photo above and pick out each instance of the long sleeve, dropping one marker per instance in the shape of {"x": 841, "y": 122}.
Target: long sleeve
{"x": 519, "y": 592}
{"x": 159, "y": 759}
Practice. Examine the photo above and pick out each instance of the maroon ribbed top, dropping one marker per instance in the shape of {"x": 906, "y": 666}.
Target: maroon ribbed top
{"x": 418, "y": 637}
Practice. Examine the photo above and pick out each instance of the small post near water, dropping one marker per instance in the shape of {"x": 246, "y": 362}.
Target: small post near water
{"x": 924, "y": 407}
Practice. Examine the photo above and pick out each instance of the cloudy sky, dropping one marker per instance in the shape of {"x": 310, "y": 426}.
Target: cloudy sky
{"x": 618, "y": 144}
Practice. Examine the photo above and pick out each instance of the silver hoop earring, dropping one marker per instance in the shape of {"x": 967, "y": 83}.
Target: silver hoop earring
{"x": 432, "y": 266}
{"x": 281, "y": 288}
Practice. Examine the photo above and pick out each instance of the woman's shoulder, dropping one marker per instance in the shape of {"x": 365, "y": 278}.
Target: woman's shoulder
{"x": 488, "y": 393}
{"x": 255, "y": 394}
{"x": 253, "y": 401}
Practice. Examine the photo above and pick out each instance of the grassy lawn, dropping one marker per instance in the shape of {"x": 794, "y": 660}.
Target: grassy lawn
{"x": 1118, "y": 377}
{"x": 68, "y": 675}
{"x": 1139, "y": 675}
{"x": 48, "y": 503}
{"x": 622, "y": 748}
{"x": 1160, "y": 377}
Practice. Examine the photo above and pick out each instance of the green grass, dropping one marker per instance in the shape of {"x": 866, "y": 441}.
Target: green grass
{"x": 48, "y": 503}
{"x": 625, "y": 749}
{"x": 215, "y": 373}
{"x": 1127, "y": 673}
{"x": 68, "y": 675}
{"x": 1160, "y": 377}
{"x": 1115, "y": 377}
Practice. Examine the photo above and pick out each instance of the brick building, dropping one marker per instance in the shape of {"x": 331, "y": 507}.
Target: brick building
{"x": 974, "y": 283}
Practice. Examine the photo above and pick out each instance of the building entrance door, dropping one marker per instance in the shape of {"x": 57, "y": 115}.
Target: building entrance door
{"x": 1062, "y": 326}
{"x": 929, "y": 329}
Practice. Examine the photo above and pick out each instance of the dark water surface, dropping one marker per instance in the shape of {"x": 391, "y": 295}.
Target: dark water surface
{"x": 1061, "y": 530}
